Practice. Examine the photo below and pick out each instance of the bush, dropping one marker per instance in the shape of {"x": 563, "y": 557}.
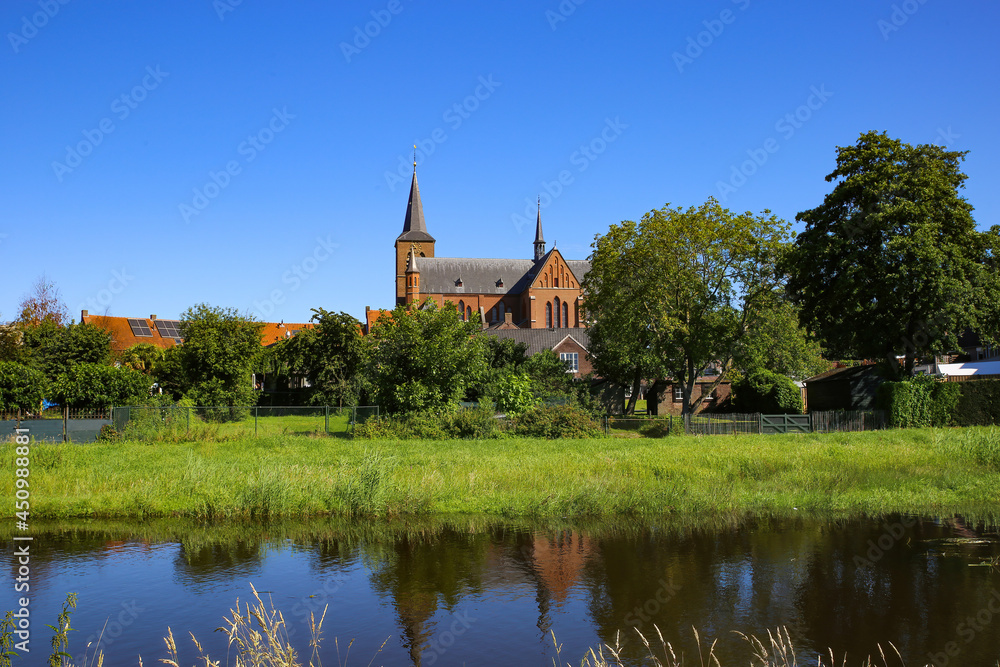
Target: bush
{"x": 476, "y": 423}
{"x": 556, "y": 421}
{"x": 768, "y": 393}
{"x": 108, "y": 433}
{"x": 93, "y": 386}
{"x": 659, "y": 428}
{"x": 922, "y": 401}
{"x": 21, "y": 387}
{"x": 978, "y": 403}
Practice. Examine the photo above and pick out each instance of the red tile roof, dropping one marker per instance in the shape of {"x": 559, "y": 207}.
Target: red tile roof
{"x": 122, "y": 337}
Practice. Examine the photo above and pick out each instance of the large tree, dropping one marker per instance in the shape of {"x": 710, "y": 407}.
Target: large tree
{"x": 330, "y": 356}
{"x": 780, "y": 344}
{"x": 678, "y": 291}
{"x": 424, "y": 358}
{"x": 891, "y": 263}
{"x": 218, "y": 354}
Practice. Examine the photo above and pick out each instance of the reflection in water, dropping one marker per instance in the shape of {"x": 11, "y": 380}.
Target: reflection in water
{"x": 475, "y": 592}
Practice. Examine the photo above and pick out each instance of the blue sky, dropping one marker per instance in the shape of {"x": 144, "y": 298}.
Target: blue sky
{"x": 256, "y": 155}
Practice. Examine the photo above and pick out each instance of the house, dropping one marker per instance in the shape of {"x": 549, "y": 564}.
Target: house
{"x": 538, "y": 293}
{"x": 666, "y": 397}
{"x": 844, "y": 388}
{"x": 569, "y": 343}
{"x": 128, "y": 331}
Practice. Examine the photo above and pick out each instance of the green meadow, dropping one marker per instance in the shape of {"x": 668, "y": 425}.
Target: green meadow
{"x": 929, "y": 471}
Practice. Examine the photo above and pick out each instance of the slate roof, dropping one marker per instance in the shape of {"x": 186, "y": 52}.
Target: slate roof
{"x": 542, "y": 339}
{"x": 438, "y": 275}
{"x": 414, "y": 226}
{"x": 844, "y": 373}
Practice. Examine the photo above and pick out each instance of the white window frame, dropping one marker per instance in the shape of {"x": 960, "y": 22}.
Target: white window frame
{"x": 573, "y": 359}
{"x": 678, "y": 393}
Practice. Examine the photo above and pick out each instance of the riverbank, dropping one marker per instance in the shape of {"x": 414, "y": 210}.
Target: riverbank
{"x": 921, "y": 471}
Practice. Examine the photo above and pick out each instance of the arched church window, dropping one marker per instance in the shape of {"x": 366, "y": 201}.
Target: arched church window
{"x": 548, "y": 315}
{"x": 558, "y": 322}
{"x": 468, "y": 313}
{"x": 461, "y": 309}
{"x": 493, "y": 314}
{"x": 502, "y": 310}
{"x": 565, "y": 316}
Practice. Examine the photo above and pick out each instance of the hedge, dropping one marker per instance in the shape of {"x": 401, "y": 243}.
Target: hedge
{"x": 767, "y": 392}
{"x": 922, "y": 401}
{"x": 979, "y": 404}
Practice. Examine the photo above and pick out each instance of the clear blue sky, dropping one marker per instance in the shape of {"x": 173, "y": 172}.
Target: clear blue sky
{"x": 313, "y": 118}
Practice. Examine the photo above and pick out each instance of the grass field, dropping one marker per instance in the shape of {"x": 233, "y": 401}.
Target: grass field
{"x": 918, "y": 471}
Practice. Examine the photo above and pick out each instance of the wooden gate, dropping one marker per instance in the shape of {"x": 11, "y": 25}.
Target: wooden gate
{"x": 785, "y": 424}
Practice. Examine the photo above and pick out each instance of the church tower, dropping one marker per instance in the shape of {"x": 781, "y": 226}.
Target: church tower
{"x": 414, "y": 237}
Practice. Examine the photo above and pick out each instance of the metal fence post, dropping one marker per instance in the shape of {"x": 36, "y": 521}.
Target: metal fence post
{"x": 326, "y": 423}
{"x": 65, "y": 421}
{"x": 19, "y": 418}
{"x": 188, "y": 421}
{"x": 255, "y": 421}
{"x": 760, "y": 422}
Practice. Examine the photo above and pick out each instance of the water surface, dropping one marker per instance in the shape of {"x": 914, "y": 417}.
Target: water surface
{"x": 474, "y": 592}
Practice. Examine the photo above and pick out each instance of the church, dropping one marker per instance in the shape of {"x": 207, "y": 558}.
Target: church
{"x": 538, "y": 293}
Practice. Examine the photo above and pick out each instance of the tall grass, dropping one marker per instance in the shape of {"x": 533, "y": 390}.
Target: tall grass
{"x": 927, "y": 471}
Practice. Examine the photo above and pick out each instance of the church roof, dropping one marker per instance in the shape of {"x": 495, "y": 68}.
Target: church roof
{"x": 440, "y": 275}
{"x": 414, "y": 227}
{"x": 542, "y": 339}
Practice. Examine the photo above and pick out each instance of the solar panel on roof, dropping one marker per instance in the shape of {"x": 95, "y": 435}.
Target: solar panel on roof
{"x": 169, "y": 329}
{"x": 140, "y": 328}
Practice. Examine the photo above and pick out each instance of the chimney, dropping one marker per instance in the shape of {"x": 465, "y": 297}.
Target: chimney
{"x": 152, "y": 317}
{"x": 84, "y": 313}
{"x": 508, "y": 317}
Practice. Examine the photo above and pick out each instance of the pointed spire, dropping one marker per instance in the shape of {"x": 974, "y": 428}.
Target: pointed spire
{"x": 539, "y": 239}
{"x": 414, "y": 227}
{"x": 412, "y": 268}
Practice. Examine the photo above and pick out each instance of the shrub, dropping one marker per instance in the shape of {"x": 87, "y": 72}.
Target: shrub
{"x": 476, "y": 423}
{"x": 21, "y": 387}
{"x": 767, "y": 392}
{"x": 556, "y": 421}
{"x": 108, "y": 433}
{"x": 659, "y": 428}
{"x": 978, "y": 403}
{"x": 93, "y": 386}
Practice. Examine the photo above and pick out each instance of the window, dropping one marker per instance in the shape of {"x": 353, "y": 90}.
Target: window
{"x": 548, "y": 315}
{"x": 558, "y": 322}
{"x": 468, "y": 313}
{"x": 572, "y": 361}
{"x": 493, "y": 314}
{"x": 565, "y": 317}
{"x": 502, "y": 310}
{"x": 461, "y": 309}
{"x": 678, "y": 393}
{"x": 706, "y": 392}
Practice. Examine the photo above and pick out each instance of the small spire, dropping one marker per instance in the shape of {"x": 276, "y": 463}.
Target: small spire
{"x": 539, "y": 239}
{"x": 412, "y": 268}
{"x": 414, "y": 158}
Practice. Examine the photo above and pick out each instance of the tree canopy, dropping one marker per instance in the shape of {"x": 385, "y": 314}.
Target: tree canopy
{"x": 679, "y": 290}
{"x": 330, "y": 356}
{"x": 423, "y": 358}
{"x": 217, "y": 357}
{"x": 891, "y": 263}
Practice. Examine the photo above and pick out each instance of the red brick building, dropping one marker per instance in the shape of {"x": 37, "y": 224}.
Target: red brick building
{"x": 538, "y": 293}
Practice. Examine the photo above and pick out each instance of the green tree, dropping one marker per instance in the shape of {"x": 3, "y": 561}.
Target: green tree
{"x": 548, "y": 375}
{"x": 95, "y": 386}
{"x": 330, "y": 356}
{"x": 217, "y": 357}
{"x": 679, "y": 291}
{"x": 21, "y": 387}
{"x": 778, "y": 343}
{"x": 423, "y": 358}
{"x": 141, "y": 357}
{"x": 54, "y": 349}
{"x": 891, "y": 262}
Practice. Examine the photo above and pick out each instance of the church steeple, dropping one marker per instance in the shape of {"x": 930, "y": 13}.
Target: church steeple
{"x": 414, "y": 227}
{"x": 539, "y": 240}
{"x": 413, "y": 240}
